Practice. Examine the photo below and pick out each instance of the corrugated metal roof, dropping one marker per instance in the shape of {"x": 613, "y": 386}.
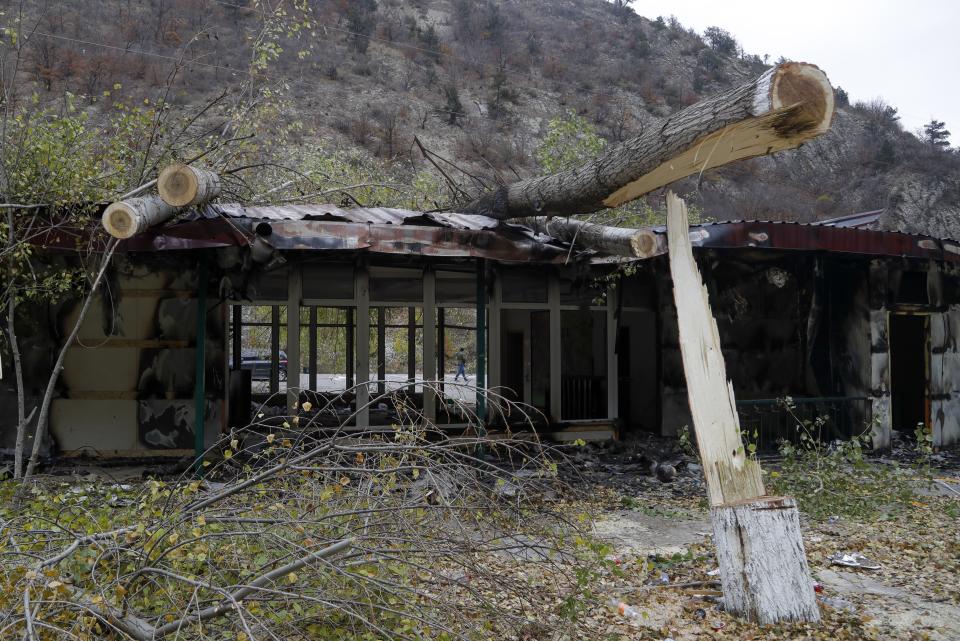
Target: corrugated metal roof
{"x": 363, "y": 215}
{"x": 849, "y": 239}
{"x": 387, "y": 230}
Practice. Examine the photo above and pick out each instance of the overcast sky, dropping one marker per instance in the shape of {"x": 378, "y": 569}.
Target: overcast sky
{"x": 904, "y": 51}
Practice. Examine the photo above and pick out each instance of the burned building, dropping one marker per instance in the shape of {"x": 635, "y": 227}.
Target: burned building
{"x": 204, "y": 322}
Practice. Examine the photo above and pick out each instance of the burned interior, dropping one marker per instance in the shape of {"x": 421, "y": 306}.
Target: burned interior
{"x": 852, "y": 324}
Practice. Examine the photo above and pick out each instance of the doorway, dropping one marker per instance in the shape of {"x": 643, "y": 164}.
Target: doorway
{"x": 908, "y": 372}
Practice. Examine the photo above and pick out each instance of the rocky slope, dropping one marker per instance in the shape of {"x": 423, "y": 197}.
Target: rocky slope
{"x": 475, "y": 81}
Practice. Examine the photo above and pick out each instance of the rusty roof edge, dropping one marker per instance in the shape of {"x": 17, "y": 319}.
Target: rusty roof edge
{"x": 795, "y": 236}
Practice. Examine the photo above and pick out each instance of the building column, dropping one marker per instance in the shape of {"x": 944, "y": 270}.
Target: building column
{"x": 381, "y": 351}
{"x": 362, "y": 347}
{"x": 312, "y": 358}
{"x": 613, "y": 375}
{"x": 429, "y": 343}
{"x": 293, "y": 335}
{"x": 494, "y": 325}
{"x": 200, "y": 367}
{"x": 481, "y": 342}
{"x": 274, "y": 349}
{"x": 556, "y": 346}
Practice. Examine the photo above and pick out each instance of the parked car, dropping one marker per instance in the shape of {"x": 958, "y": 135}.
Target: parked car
{"x": 260, "y": 366}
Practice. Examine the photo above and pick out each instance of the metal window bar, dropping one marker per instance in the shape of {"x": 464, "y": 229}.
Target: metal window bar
{"x": 766, "y": 422}
{"x": 583, "y": 397}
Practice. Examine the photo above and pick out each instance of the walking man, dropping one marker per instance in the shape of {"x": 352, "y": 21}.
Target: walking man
{"x": 461, "y": 365}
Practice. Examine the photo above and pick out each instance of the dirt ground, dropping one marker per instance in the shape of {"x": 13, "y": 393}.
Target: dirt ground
{"x": 659, "y": 580}
{"x": 660, "y": 538}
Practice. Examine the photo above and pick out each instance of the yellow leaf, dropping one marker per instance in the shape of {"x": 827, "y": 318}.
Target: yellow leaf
{"x": 344, "y": 481}
{"x": 201, "y": 520}
{"x": 307, "y": 406}
{"x": 227, "y": 454}
{"x": 270, "y": 437}
{"x": 234, "y": 443}
{"x": 286, "y": 442}
{"x": 292, "y": 577}
{"x": 286, "y": 425}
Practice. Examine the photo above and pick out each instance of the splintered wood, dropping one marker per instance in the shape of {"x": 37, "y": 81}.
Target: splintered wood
{"x": 731, "y": 474}
{"x": 763, "y": 566}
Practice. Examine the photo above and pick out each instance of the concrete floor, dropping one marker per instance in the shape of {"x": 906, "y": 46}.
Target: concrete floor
{"x": 459, "y": 392}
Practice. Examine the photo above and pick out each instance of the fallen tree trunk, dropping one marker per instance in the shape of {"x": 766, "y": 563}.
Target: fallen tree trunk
{"x": 133, "y": 216}
{"x": 185, "y": 186}
{"x": 787, "y": 105}
{"x": 617, "y": 241}
{"x": 763, "y": 567}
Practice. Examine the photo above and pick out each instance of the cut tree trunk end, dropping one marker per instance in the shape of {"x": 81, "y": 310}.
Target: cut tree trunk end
{"x": 763, "y": 565}
{"x": 760, "y": 552}
{"x": 786, "y": 106}
{"x": 130, "y": 217}
{"x": 617, "y": 241}
{"x": 184, "y": 186}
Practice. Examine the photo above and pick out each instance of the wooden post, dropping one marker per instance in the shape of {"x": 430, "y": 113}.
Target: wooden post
{"x": 351, "y": 347}
{"x": 381, "y": 351}
{"x": 613, "y": 375}
{"x": 274, "y": 349}
{"x": 362, "y": 347}
{"x": 312, "y": 358}
{"x": 481, "y": 383}
{"x": 441, "y": 350}
{"x": 200, "y": 368}
{"x": 429, "y": 344}
{"x": 556, "y": 347}
{"x": 237, "y": 337}
{"x": 495, "y": 328}
{"x": 412, "y": 349}
{"x": 293, "y": 335}
{"x": 763, "y": 567}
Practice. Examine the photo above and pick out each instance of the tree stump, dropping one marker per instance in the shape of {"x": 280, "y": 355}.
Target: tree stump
{"x": 763, "y": 566}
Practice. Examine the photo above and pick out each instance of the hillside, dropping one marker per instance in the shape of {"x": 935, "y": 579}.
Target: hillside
{"x": 476, "y": 82}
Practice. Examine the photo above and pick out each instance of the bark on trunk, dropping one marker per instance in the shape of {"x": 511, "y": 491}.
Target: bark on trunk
{"x": 184, "y": 186}
{"x": 18, "y": 381}
{"x": 781, "y": 109}
{"x": 763, "y": 566}
{"x": 17, "y": 364}
{"x": 760, "y": 552}
{"x": 617, "y": 241}
{"x": 128, "y": 218}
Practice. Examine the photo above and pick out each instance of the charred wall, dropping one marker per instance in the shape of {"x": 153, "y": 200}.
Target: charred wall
{"x": 128, "y": 381}
{"x": 762, "y": 306}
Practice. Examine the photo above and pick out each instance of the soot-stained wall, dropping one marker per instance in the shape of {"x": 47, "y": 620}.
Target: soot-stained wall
{"x": 128, "y": 382}
{"x": 761, "y": 304}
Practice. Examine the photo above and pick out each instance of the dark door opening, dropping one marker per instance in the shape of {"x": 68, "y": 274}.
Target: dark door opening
{"x": 908, "y": 371}
{"x": 511, "y": 368}
{"x": 540, "y": 360}
{"x": 625, "y": 409}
